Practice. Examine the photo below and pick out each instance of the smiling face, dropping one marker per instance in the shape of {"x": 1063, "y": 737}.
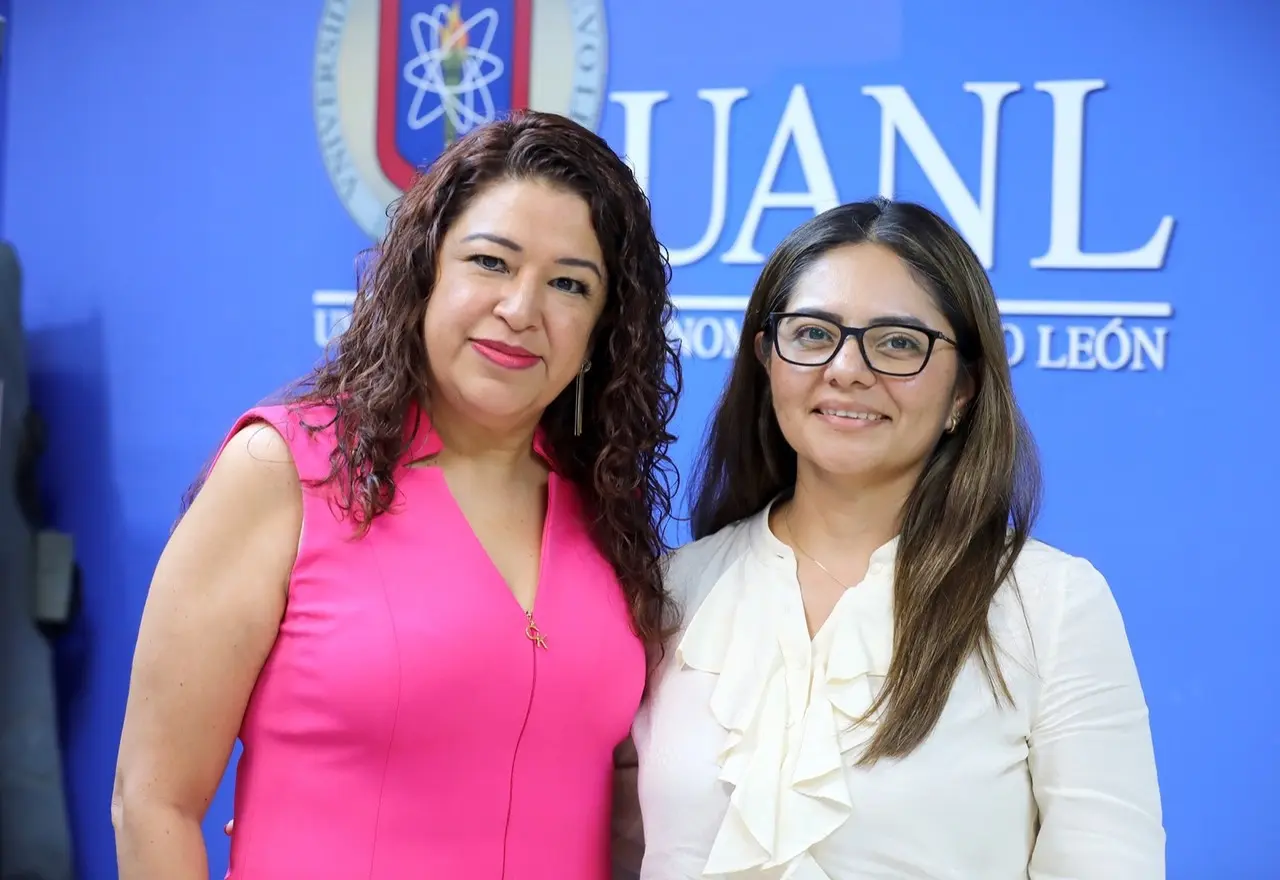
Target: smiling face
{"x": 520, "y": 286}
{"x": 843, "y": 419}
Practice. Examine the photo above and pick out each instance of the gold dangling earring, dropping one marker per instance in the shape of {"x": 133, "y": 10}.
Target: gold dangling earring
{"x": 577, "y": 400}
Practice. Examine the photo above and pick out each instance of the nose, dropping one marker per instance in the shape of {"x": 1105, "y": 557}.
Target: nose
{"x": 849, "y": 367}
{"x": 520, "y": 303}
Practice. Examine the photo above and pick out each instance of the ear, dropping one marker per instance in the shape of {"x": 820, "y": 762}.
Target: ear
{"x": 762, "y": 350}
{"x": 966, "y": 387}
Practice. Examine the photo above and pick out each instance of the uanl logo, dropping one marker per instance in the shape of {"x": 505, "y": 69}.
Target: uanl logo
{"x": 1054, "y": 334}
{"x": 1051, "y": 334}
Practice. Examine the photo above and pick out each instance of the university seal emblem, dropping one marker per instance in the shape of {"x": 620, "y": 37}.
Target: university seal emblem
{"x": 396, "y": 81}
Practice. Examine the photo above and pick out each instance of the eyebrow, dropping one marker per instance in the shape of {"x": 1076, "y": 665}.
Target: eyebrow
{"x": 819, "y": 313}
{"x": 512, "y": 246}
{"x": 496, "y": 239}
{"x": 904, "y": 320}
{"x": 581, "y": 264}
{"x": 834, "y": 318}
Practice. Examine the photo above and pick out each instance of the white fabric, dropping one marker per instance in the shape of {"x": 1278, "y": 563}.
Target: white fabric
{"x": 747, "y": 740}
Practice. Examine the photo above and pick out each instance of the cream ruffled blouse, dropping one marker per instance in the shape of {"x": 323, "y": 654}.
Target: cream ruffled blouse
{"x": 748, "y": 741}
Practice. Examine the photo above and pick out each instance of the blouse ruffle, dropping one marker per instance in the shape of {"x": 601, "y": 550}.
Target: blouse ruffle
{"x": 790, "y": 707}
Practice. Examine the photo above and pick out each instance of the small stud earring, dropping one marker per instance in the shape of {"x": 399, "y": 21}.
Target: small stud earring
{"x": 577, "y": 400}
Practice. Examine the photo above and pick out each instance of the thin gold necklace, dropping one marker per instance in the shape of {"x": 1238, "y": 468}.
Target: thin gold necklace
{"x": 786, "y": 518}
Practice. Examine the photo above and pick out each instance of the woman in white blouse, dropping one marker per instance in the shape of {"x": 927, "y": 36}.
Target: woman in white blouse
{"x": 879, "y": 673}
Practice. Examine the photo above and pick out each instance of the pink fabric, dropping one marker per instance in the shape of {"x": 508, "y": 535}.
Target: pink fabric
{"x": 404, "y": 726}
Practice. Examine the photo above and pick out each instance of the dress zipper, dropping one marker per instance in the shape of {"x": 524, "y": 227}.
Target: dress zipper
{"x": 537, "y": 640}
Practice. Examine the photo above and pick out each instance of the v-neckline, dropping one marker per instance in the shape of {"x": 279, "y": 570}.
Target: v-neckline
{"x": 793, "y": 597}
{"x": 530, "y": 613}
{"x": 424, "y": 443}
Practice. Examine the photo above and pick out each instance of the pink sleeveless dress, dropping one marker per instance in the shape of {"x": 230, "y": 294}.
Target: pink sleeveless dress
{"x": 404, "y": 725}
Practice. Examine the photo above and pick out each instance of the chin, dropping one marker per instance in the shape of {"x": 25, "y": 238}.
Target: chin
{"x": 497, "y": 401}
{"x": 493, "y": 411}
{"x": 848, "y": 457}
{"x": 846, "y": 468}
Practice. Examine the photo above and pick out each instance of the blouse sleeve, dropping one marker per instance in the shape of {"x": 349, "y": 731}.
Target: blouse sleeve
{"x": 628, "y": 830}
{"x": 1091, "y": 758}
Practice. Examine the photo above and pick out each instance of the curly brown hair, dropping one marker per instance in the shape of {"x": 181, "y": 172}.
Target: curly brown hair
{"x": 377, "y": 368}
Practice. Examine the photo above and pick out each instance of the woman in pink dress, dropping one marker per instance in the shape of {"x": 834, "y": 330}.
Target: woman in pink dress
{"x": 422, "y": 589}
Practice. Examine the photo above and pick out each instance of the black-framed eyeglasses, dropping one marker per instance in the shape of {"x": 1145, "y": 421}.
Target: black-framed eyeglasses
{"x": 889, "y": 349}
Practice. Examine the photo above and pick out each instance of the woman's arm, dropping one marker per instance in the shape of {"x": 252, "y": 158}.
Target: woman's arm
{"x": 628, "y": 829}
{"x": 210, "y": 619}
{"x": 1092, "y": 764}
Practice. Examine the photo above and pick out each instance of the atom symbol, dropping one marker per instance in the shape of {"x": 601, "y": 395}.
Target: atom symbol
{"x": 453, "y": 69}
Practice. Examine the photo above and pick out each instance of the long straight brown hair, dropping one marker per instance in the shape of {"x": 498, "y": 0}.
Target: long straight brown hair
{"x": 970, "y": 513}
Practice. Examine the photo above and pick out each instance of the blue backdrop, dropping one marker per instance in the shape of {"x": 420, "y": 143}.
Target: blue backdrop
{"x": 177, "y": 178}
